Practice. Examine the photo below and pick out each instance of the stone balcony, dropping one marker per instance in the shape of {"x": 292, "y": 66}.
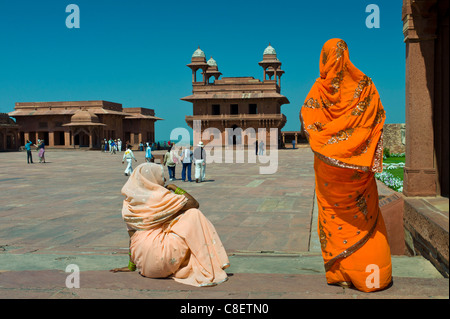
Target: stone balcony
{"x": 227, "y": 120}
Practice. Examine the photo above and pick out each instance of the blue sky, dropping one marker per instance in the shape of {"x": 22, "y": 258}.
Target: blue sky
{"x": 135, "y": 52}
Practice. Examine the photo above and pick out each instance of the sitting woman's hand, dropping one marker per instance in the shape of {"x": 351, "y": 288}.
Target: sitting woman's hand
{"x": 171, "y": 187}
{"x": 123, "y": 269}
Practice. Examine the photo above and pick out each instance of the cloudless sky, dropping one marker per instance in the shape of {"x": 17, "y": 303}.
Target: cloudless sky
{"x": 135, "y": 52}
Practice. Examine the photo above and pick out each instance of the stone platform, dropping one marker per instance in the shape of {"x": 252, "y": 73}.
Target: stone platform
{"x": 68, "y": 211}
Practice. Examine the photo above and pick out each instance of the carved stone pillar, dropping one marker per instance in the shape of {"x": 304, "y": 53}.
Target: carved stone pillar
{"x": 419, "y": 20}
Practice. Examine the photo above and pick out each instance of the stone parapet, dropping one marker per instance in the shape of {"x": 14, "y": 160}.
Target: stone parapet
{"x": 426, "y": 229}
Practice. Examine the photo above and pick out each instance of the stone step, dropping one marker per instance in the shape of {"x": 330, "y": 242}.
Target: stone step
{"x": 241, "y": 262}
{"x": 312, "y": 263}
{"x": 253, "y": 275}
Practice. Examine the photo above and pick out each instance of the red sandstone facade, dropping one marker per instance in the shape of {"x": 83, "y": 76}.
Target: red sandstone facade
{"x": 425, "y": 28}
{"x": 8, "y": 133}
{"x": 83, "y": 123}
{"x": 236, "y": 102}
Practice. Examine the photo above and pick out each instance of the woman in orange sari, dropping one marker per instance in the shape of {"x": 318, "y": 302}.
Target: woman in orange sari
{"x": 169, "y": 236}
{"x": 343, "y": 120}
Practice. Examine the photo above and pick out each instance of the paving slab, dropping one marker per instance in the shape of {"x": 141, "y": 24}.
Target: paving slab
{"x": 68, "y": 211}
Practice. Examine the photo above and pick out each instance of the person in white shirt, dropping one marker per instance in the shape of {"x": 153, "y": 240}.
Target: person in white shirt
{"x": 200, "y": 162}
{"x": 129, "y": 156}
{"x": 186, "y": 158}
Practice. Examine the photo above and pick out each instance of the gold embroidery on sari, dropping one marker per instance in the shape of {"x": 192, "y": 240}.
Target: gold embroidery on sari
{"x": 377, "y": 166}
{"x": 361, "y": 107}
{"x": 337, "y": 163}
{"x": 324, "y": 57}
{"x": 340, "y": 136}
{"x": 366, "y": 81}
{"x": 322, "y": 236}
{"x": 341, "y": 46}
{"x": 361, "y": 149}
{"x": 356, "y": 176}
{"x": 336, "y": 82}
{"x": 353, "y": 248}
{"x": 312, "y": 104}
{"x": 317, "y": 126}
{"x": 381, "y": 114}
{"x": 362, "y": 205}
{"x": 325, "y": 103}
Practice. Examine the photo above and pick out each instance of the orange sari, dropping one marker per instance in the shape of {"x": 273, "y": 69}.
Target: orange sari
{"x": 343, "y": 120}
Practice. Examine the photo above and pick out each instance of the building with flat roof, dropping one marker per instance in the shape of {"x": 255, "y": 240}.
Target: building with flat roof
{"x": 8, "y": 133}
{"x": 74, "y": 124}
{"x": 236, "y": 102}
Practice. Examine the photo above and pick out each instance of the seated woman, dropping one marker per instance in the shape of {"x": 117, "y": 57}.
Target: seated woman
{"x": 169, "y": 236}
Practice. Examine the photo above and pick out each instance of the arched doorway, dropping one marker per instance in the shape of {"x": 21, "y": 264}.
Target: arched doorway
{"x": 235, "y": 138}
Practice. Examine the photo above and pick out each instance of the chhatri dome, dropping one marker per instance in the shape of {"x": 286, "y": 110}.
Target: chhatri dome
{"x": 269, "y": 50}
{"x": 212, "y": 62}
{"x": 198, "y": 53}
{"x": 84, "y": 116}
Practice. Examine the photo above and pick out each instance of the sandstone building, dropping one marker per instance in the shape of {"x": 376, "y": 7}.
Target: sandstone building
{"x": 236, "y": 102}
{"x": 74, "y": 124}
{"x": 8, "y": 133}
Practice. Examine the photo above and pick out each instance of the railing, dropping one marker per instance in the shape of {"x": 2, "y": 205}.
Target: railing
{"x": 236, "y": 116}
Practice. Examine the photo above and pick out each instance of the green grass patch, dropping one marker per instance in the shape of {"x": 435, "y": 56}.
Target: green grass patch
{"x": 390, "y": 160}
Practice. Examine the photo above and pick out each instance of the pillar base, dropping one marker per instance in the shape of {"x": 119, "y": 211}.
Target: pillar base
{"x": 419, "y": 182}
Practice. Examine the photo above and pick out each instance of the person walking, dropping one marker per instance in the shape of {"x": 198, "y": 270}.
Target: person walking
{"x": 29, "y": 154}
{"x": 261, "y": 148}
{"x": 199, "y": 157}
{"x": 171, "y": 158}
{"x": 41, "y": 150}
{"x": 113, "y": 147}
{"x": 148, "y": 153}
{"x": 119, "y": 145}
{"x": 186, "y": 158}
{"x": 129, "y": 156}
{"x": 343, "y": 119}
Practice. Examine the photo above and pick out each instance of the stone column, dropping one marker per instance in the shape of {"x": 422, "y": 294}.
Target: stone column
{"x": 51, "y": 138}
{"x": 419, "y": 31}
{"x": 67, "y": 141}
{"x": 90, "y": 136}
{"x": 4, "y": 133}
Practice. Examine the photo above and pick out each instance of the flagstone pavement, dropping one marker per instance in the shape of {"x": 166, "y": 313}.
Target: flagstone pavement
{"x": 68, "y": 211}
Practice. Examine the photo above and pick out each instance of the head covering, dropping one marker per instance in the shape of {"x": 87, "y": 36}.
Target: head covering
{"x": 148, "y": 203}
{"x": 342, "y": 115}
{"x": 200, "y": 144}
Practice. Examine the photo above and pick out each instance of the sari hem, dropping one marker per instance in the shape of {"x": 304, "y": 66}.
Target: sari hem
{"x": 353, "y": 248}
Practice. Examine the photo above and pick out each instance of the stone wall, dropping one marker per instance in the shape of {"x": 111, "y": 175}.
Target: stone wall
{"x": 394, "y": 137}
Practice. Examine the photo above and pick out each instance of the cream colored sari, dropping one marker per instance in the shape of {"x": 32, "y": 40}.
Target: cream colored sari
{"x": 168, "y": 243}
